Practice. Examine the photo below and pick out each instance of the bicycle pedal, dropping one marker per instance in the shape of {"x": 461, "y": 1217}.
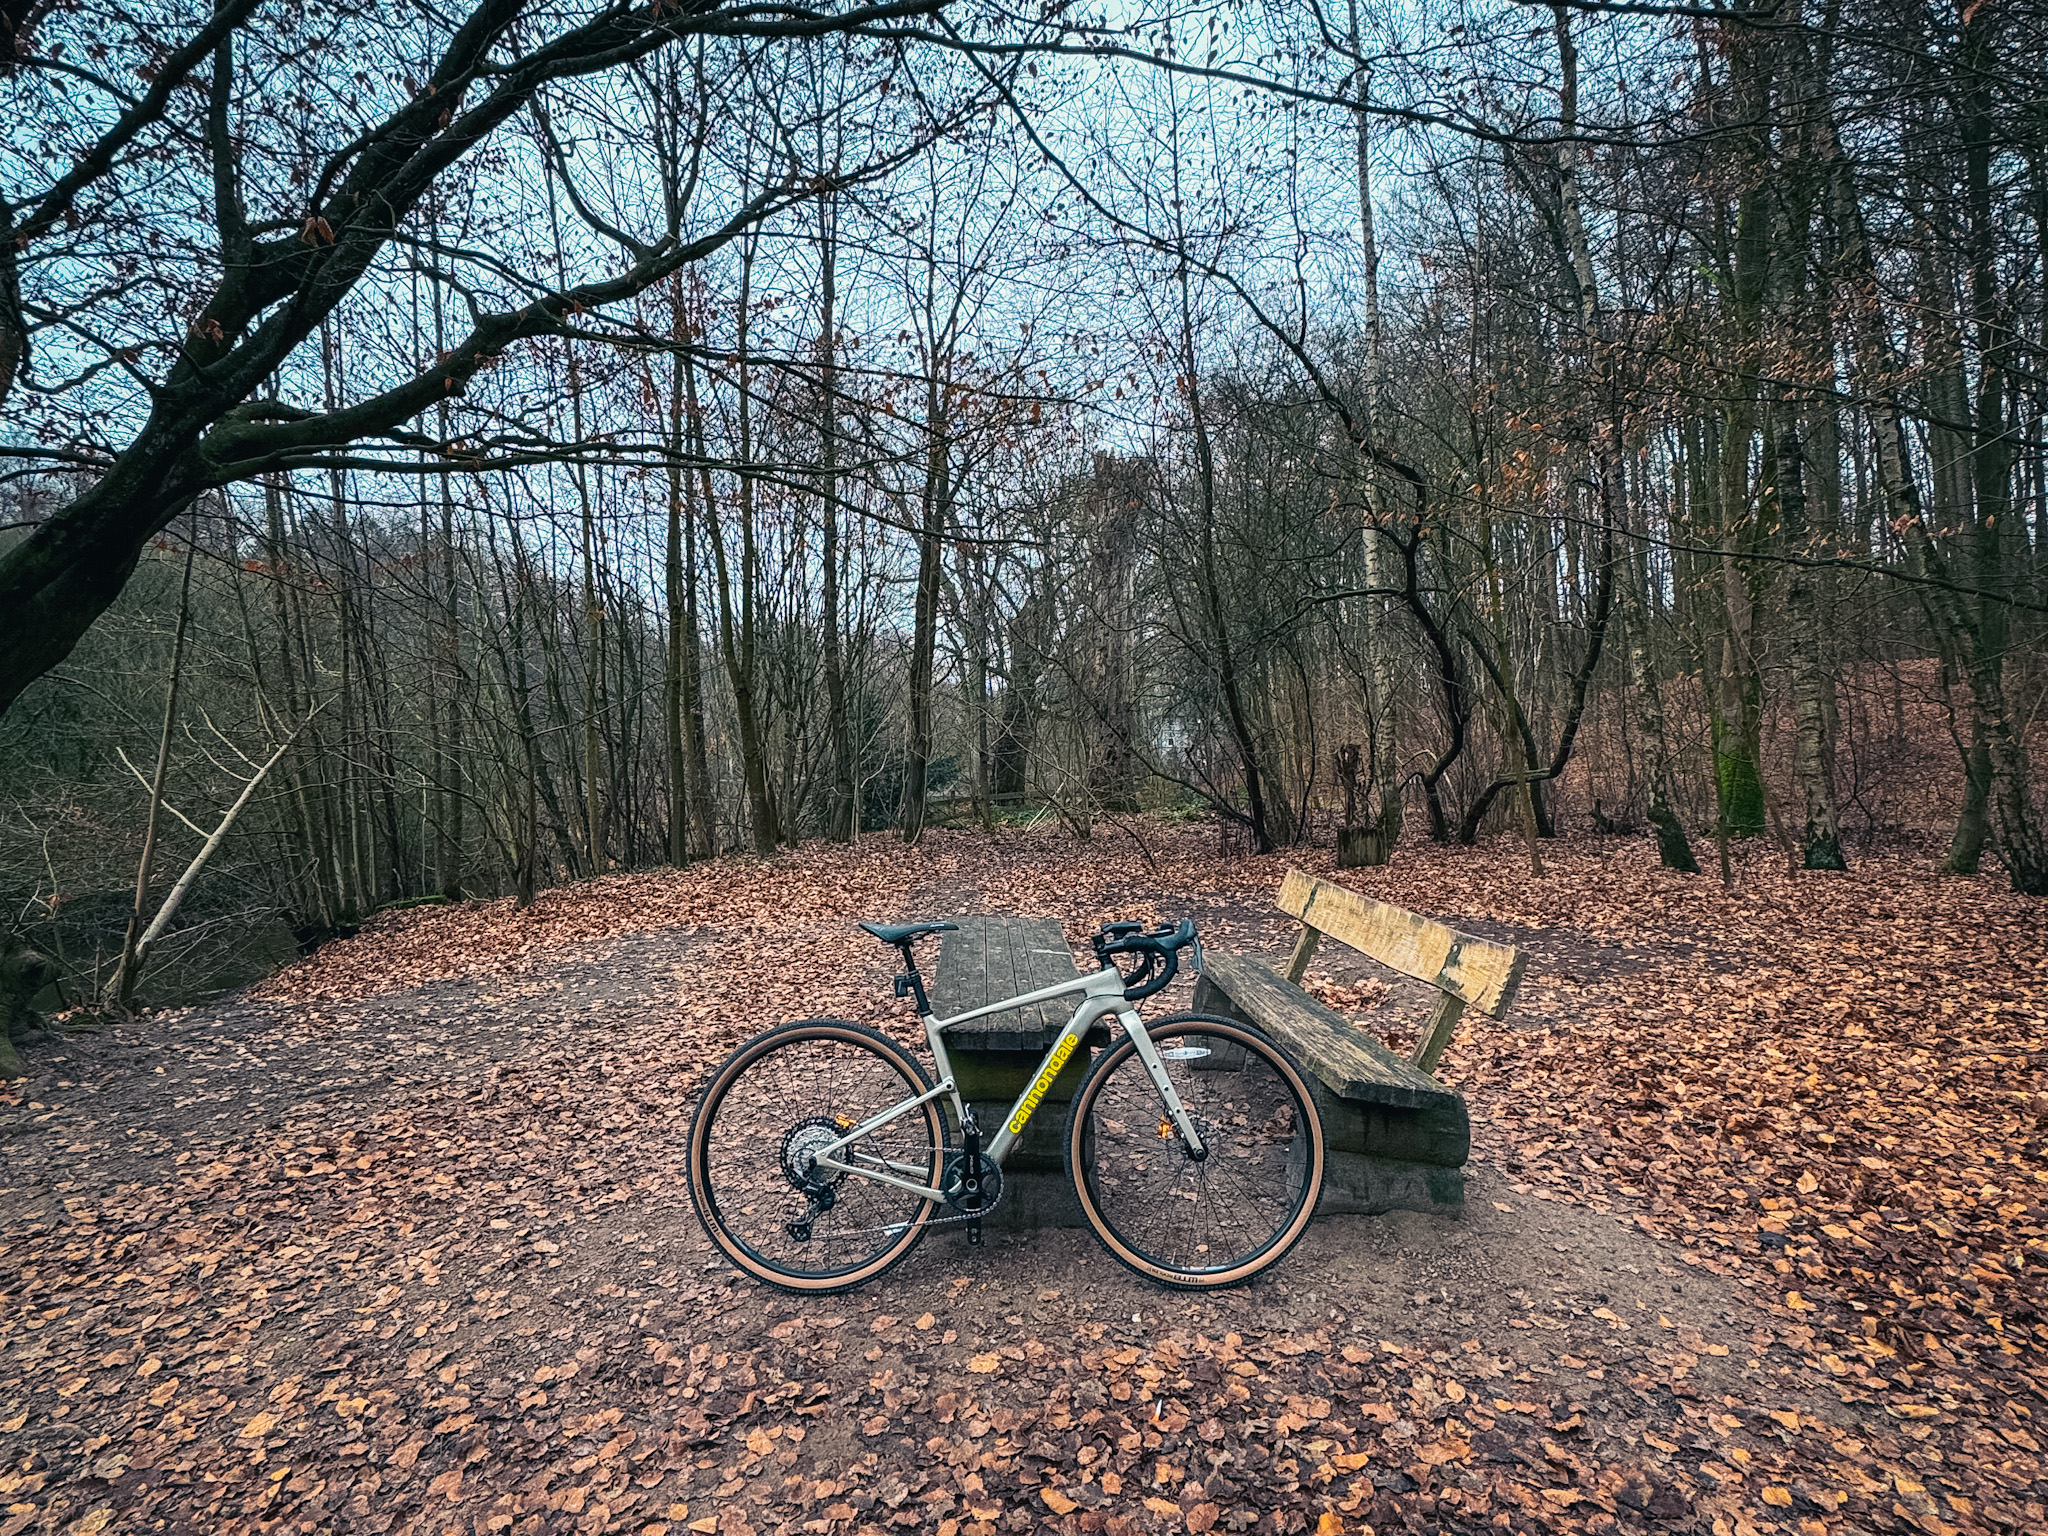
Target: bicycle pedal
{"x": 974, "y": 1234}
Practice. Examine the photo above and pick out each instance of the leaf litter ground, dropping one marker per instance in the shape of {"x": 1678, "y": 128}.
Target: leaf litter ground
{"x": 399, "y": 1241}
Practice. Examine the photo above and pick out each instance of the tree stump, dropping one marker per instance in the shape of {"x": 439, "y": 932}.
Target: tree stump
{"x": 1357, "y": 847}
{"x": 1360, "y": 847}
{"x": 23, "y": 973}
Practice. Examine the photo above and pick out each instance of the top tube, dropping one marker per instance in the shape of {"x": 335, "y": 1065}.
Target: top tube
{"x": 1101, "y": 982}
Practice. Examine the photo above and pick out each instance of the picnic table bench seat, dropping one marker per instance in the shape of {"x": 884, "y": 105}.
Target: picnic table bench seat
{"x": 1398, "y": 1138}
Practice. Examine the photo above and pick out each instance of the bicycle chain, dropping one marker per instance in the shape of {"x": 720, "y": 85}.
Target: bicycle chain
{"x": 934, "y": 1221}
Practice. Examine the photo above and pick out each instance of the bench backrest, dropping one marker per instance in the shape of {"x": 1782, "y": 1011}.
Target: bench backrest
{"x": 1477, "y": 972}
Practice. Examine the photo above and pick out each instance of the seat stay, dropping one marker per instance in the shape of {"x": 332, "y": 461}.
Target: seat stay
{"x": 828, "y": 1158}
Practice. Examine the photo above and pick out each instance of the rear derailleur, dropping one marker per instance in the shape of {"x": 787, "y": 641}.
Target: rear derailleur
{"x": 800, "y": 1149}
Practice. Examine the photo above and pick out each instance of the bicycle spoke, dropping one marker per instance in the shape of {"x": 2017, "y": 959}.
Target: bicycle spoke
{"x": 1212, "y": 1215}
{"x": 766, "y": 1119}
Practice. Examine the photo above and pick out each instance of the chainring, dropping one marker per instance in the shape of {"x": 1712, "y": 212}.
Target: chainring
{"x": 972, "y": 1202}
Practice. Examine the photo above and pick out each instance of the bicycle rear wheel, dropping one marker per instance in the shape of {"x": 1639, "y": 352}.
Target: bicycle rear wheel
{"x": 1217, "y": 1220}
{"x": 767, "y": 1112}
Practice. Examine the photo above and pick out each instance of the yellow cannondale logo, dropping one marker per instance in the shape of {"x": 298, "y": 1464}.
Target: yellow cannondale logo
{"x": 1060, "y": 1053}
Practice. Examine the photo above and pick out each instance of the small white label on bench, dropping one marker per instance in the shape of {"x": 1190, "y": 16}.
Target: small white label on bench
{"x": 1184, "y": 1053}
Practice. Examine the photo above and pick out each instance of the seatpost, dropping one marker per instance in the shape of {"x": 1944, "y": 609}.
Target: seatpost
{"x": 910, "y": 984}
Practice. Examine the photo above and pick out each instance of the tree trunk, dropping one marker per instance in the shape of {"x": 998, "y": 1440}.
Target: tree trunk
{"x": 672, "y": 662}
{"x": 703, "y": 810}
{"x": 1973, "y": 822}
{"x": 924, "y": 624}
{"x": 448, "y": 860}
{"x": 130, "y": 964}
{"x": 736, "y": 622}
{"x": 1382, "y": 703}
{"x": 838, "y": 727}
{"x": 1673, "y": 850}
{"x": 1216, "y": 621}
{"x": 168, "y": 912}
{"x": 594, "y": 850}
{"x": 689, "y": 822}
{"x": 1813, "y": 750}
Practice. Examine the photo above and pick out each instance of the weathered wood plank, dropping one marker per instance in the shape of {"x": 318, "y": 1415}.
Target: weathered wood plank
{"x": 1304, "y": 951}
{"x": 1479, "y": 972}
{"x": 1348, "y": 1060}
{"x": 991, "y": 958}
{"x": 1436, "y": 1035}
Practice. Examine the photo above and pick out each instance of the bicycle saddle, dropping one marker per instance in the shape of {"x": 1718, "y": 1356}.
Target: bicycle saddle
{"x": 903, "y": 933}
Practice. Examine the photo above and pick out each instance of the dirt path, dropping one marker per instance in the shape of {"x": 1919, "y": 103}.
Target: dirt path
{"x": 422, "y": 1260}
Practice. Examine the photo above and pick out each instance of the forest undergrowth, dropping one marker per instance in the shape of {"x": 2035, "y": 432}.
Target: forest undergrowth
{"x": 454, "y": 1284}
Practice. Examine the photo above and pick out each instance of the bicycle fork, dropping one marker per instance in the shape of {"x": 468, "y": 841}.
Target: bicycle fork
{"x": 1155, "y": 1068}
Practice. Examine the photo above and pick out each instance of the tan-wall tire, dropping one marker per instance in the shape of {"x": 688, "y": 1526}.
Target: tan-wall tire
{"x": 721, "y": 1082}
{"x": 1077, "y": 1154}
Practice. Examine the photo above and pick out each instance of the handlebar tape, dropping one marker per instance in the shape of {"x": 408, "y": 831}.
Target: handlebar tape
{"x": 1161, "y": 951}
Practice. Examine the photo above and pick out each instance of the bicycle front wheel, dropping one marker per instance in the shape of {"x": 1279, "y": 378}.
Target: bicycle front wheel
{"x": 766, "y": 1114}
{"x": 1208, "y": 1221}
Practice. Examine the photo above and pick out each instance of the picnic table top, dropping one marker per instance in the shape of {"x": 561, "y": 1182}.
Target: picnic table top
{"x": 991, "y": 958}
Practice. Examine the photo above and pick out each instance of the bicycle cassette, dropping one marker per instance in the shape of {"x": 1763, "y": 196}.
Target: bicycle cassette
{"x": 973, "y": 1183}
{"x": 800, "y": 1149}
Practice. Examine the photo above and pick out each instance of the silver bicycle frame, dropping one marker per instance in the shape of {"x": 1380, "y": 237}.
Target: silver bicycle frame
{"x": 1103, "y": 995}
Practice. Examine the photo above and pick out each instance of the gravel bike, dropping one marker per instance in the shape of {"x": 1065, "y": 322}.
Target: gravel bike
{"x": 820, "y": 1154}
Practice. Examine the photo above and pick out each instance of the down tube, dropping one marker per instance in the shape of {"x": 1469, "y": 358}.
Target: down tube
{"x": 1085, "y": 1018}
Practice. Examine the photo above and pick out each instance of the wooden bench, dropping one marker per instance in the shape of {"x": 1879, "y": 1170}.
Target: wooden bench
{"x": 1398, "y": 1138}
{"x": 994, "y": 1059}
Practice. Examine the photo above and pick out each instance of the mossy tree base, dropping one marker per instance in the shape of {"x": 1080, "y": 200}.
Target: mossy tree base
{"x": 23, "y": 973}
{"x": 1673, "y": 851}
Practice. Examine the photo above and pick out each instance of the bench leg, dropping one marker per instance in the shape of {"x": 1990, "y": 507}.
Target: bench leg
{"x": 1441, "y": 1025}
{"x": 1367, "y": 1186}
{"x": 1304, "y": 951}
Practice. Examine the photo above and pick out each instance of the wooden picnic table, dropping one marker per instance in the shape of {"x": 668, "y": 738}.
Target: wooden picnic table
{"x": 991, "y": 958}
{"x": 994, "y": 1059}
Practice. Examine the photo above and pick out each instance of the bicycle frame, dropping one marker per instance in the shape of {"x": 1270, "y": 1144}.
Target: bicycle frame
{"x": 1102, "y": 995}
